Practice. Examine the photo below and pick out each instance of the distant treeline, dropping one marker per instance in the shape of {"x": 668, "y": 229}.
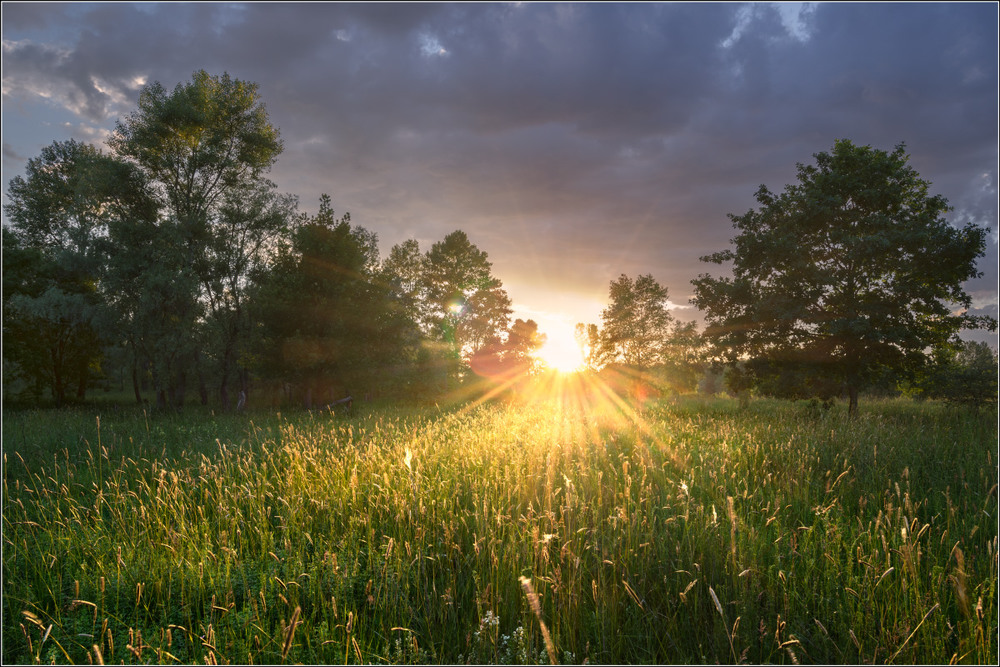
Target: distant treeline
{"x": 172, "y": 266}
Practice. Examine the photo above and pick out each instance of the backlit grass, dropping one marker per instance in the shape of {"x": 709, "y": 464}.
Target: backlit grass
{"x": 690, "y": 531}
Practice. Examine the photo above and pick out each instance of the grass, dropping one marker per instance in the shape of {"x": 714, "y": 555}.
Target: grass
{"x": 688, "y": 531}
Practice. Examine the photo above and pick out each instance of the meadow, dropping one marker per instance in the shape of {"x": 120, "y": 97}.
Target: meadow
{"x": 556, "y": 530}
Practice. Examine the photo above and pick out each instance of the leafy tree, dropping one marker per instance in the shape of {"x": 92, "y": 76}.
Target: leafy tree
{"x": 588, "y": 339}
{"x": 54, "y": 337}
{"x": 199, "y": 144}
{"x": 682, "y": 362}
{"x": 202, "y": 149}
{"x": 56, "y": 248}
{"x": 326, "y": 318}
{"x": 402, "y": 275}
{"x": 465, "y": 306}
{"x": 250, "y": 224}
{"x": 402, "y": 272}
{"x": 848, "y": 273}
{"x": 636, "y": 324}
{"x": 964, "y": 374}
{"x": 513, "y": 357}
{"x": 523, "y": 341}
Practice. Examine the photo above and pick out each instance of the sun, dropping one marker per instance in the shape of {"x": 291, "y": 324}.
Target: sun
{"x": 560, "y": 351}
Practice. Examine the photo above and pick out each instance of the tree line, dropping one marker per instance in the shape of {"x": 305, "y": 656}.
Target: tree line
{"x": 172, "y": 262}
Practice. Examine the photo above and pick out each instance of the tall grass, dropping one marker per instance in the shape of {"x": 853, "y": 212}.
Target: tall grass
{"x": 695, "y": 531}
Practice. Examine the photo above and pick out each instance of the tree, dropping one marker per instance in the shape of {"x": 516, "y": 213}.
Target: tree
{"x": 848, "y": 273}
{"x": 588, "y": 339}
{"x": 523, "y": 341}
{"x": 153, "y": 295}
{"x": 402, "y": 272}
{"x": 964, "y": 374}
{"x": 682, "y": 357}
{"x": 250, "y": 224}
{"x": 512, "y": 358}
{"x": 636, "y": 324}
{"x": 328, "y": 321}
{"x": 465, "y": 306}
{"x": 54, "y": 258}
{"x": 198, "y": 144}
{"x": 202, "y": 149}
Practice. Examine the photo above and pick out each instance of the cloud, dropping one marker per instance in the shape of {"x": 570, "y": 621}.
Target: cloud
{"x": 57, "y": 75}
{"x": 572, "y": 142}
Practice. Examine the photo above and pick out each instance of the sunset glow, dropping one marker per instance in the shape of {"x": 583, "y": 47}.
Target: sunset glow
{"x": 560, "y": 351}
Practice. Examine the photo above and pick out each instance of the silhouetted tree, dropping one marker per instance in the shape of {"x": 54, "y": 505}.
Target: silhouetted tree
{"x": 636, "y": 324}
{"x": 465, "y": 305}
{"x": 964, "y": 374}
{"x": 848, "y": 273}
{"x": 55, "y": 256}
{"x": 203, "y": 149}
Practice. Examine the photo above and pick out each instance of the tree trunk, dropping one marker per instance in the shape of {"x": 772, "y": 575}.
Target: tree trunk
{"x": 852, "y": 408}
{"x": 58, "y": 390}
{"x": 135, "y": 382}
{"x": 202, "y": 385}
{"x": 180, "y": 390}
{"x": 81, "y": 387}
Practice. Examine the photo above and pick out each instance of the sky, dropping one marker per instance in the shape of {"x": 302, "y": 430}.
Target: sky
{"x": 571, "y": 142}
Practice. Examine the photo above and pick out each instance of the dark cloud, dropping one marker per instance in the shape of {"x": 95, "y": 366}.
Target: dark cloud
{"x": 572, "y": 142}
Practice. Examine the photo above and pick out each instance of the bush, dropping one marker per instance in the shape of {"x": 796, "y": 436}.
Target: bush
{"x": 966, "y": 375}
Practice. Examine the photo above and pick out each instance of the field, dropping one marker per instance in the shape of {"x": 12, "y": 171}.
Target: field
{"x": 684, "y": 531}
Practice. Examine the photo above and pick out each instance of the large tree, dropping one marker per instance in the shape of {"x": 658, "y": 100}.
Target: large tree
{"x": 55, "y": 256}
{"x": 636, "y": 324}
{"x": 850, "y": 272}
{"x": 203, "y": 149}
{"x": 329, "y": 326}
{"x": 251, "y": 223}
{"x": 465, "y": 306}
{"x": 199, "y": 143}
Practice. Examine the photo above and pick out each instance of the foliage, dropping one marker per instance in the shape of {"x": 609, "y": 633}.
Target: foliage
{"x": 523, "y": 340}
{"x": 636, "y": 323}
{"x": 176, "y": 260}
{"x": 55, "y": 253}
{"x": 314, "y": 308}
{"x": 852, "y": 271}
{"x": 251, "y": 223}
{"x": 683, "y": 366}
{"x": 965, "y": 374}
{"x": 512, "y": 359}
{"x": 464, "y": 304}
{"x": 202, "y": 150}
{"x": 198, "y": 144}
{"x": 640, "y": 342}
{"x": 588, "y": 339}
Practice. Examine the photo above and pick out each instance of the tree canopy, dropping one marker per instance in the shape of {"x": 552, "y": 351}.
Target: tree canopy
{"x": 849, "y": 272}
{"x": 636, "y": 324}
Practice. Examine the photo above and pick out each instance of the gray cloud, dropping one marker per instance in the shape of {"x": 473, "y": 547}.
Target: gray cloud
{"x": 572, "y": 142}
